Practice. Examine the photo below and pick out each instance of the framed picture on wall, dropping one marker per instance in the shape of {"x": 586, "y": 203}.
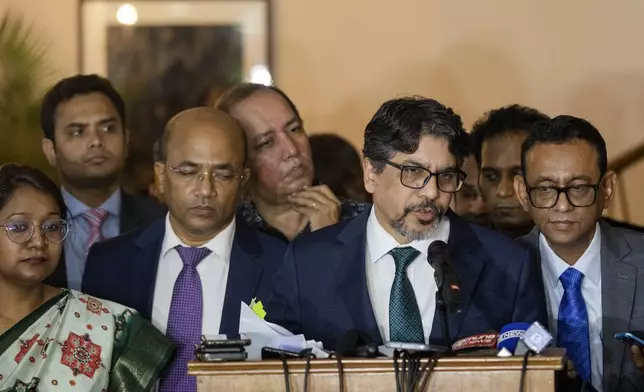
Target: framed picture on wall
{"x": 165, "y": 56}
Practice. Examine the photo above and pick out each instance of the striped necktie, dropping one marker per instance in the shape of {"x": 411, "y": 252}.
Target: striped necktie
{"x": 95, "y": 219}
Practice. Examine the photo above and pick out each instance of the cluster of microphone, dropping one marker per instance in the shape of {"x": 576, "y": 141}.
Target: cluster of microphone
{"x": 513, "y": 339}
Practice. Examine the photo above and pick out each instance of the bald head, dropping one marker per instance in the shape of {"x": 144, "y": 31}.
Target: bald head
{"x": 202, "y": 172}
{"x": 199, "y": 122}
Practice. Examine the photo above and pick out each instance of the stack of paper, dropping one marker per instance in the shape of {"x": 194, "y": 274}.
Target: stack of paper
{"x": 265, "y": 334}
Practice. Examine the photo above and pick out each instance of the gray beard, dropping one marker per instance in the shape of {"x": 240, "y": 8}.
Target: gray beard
{"x": 401, "y": 228}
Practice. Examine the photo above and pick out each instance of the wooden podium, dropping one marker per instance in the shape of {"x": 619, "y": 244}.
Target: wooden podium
{"x": 453, "y": 374}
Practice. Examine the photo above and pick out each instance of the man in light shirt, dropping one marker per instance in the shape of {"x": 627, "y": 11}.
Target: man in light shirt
{"x": 371, "y": 273}
{"x": 85, "y": 138}
{"x": 190, "y": 272}
{"x": 592, "y": 272}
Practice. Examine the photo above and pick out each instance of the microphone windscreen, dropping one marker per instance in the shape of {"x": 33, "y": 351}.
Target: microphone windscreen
{"x": 437, "y": 248}
{"x": 510, "y": 335}
{"x": 478, "y": 341}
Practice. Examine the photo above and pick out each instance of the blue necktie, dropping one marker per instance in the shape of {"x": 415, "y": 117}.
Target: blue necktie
{"x": 405, "y": 323}
{"x": 572, "y": 326}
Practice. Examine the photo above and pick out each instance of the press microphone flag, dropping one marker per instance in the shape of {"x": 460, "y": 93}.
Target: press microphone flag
{"x": 510, "y": 335}
{"x": 478, "y": 341}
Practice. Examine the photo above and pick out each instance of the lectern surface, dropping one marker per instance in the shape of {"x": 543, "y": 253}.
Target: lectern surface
{"x": 454, "y": 374}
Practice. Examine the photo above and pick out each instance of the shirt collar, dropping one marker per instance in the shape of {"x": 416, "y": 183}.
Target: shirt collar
{"x": 221, "y": 244}
{"x": 76, "y": 207}
{"x": 379, "y": 242}
{"x": 589, "y": 263}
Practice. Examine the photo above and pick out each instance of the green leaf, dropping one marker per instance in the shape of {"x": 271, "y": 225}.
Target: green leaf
{"x": 23, "y": 71}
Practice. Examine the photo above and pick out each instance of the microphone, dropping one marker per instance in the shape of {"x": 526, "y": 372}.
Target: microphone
{"x": 536, "y": 338}
{"x": 446, "y": 277}
{"x": 479, "y": 342}
{"x": 519, "y": 338}
{"x": 355, "y": 343}
{"x": 510, "y": 335}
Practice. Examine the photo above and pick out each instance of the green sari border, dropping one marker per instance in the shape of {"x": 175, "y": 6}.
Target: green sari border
{"x": 8, "y": 338}
{"x": 143, "y": 354}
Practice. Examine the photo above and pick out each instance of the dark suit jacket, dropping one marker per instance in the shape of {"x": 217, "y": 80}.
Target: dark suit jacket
{"x": 136, "y": 212}
{"x": 321, "y": 288}
{"x": 124, "y": 270}
{"x": 622, "y": 266}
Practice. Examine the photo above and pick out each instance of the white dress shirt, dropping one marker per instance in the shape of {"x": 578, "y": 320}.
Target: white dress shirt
{"x": 591, "y": 289}
{"x": 381, "y": 269}
{"x": 213, "y": 271}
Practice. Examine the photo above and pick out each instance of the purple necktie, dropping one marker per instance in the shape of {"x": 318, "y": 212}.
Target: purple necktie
{"x": 184, "y": 321}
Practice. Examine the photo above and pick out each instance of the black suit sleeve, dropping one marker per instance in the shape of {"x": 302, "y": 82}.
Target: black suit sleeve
{"x": 92, "y": 281}
{"x": 283, "y": 306}
{"x": 530, "y": 301}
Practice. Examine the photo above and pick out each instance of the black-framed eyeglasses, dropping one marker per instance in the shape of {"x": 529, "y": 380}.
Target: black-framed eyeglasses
{"x": 546, "y": 196}
{"x": 416, "y": 177}
{"x": 54, "y": 230}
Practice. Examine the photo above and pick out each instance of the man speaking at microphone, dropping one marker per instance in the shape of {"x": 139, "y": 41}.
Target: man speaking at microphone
{"x": 372, "y": 274}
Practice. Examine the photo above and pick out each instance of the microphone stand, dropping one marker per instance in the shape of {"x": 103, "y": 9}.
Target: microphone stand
{"x": 442, "y": 312}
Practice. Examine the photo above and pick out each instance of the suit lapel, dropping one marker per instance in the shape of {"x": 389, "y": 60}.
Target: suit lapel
{"x": 618, "y": 294}
{"x": 351, "y": 276}
{"x": 144, "y": 270}
{"x": 467, "y": 256}
{"x": 532, "y": 241}
{"x": 243, "y": 277}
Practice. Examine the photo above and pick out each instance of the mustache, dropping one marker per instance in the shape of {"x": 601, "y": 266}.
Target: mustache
{"x": 424, "y": 206}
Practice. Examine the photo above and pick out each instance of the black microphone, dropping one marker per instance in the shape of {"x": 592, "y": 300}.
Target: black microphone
{"x": 355, "y": 343}
{"x": 445, "y": 274}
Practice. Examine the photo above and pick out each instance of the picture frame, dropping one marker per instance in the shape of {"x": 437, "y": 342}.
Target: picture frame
{"x": 254, "y": 18}
{"x": 166, "y": 56}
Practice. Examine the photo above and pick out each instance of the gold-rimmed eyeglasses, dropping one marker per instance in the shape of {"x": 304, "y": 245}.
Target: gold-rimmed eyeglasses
{"x": 192, "y": 174}
{"x": 21, "y": 231}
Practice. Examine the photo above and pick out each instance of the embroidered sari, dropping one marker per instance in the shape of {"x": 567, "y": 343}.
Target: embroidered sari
{"x": 75, "y": 342}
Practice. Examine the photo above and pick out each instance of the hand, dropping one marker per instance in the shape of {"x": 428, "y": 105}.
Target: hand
{"x": 318, "y": 204}
{"x": 637, "y": 353}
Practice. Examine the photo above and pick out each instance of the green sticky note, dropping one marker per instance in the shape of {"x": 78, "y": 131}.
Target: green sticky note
{"x": 258, "y": 308}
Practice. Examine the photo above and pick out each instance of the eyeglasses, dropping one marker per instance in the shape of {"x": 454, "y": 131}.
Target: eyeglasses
{"x": 190, "y": 174}
{"x": 416, "y": 177}
{"x": 55, "y": 230}
{"x": 582, "y": 195}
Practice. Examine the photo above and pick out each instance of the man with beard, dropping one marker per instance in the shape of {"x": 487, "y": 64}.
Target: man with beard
{"x": 371, "y": 273}
{"x": 82, "y": 118}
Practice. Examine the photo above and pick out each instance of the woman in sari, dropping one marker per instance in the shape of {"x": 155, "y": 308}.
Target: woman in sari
{"x": 53, "y": 339}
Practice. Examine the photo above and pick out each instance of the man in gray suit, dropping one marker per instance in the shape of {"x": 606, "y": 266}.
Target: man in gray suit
{"x": 593, "y": 273}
